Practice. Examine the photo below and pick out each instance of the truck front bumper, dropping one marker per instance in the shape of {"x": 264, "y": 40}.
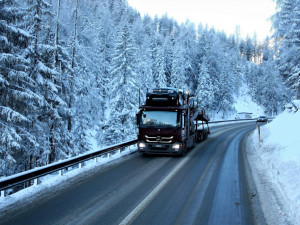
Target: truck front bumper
{"x": 159, "y": 148}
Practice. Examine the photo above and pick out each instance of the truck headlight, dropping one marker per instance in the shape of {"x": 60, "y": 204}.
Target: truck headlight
{"x": 141, "y": 145}
{"x": 176, "y": 146}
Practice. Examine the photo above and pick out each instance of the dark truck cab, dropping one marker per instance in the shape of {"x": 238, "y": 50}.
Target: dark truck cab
{"x": 168, "y": 123}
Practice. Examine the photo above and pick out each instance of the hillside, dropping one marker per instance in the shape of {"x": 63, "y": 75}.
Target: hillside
{"x": 242, "y": 102}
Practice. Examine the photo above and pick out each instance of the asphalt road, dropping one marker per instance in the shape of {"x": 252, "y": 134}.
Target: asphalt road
{"x": 209, "y": 185}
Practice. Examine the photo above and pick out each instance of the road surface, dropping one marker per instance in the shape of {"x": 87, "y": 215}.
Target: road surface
{"x": 209, "y": 185}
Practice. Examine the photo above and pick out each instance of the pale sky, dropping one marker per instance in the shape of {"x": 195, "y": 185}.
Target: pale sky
{"x": 251, "y": 15}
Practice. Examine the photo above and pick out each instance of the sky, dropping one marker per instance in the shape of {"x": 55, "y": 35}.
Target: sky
{"x": 253, "y": 16}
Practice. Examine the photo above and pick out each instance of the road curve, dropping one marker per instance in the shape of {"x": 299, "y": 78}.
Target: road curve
{"x": 209, "y": 185}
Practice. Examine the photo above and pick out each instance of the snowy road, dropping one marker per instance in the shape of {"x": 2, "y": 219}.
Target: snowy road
{"x": 209, "y": 185}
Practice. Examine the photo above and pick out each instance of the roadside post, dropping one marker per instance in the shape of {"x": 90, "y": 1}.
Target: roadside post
{"x": 258, "y": 128}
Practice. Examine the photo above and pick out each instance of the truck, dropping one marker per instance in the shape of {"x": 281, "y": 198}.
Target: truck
{"x": 170, "y": 122}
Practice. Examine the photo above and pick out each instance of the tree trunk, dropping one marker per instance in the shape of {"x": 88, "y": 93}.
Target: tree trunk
{"x": 73, "y": 64}
{"x": 51, "y": 143}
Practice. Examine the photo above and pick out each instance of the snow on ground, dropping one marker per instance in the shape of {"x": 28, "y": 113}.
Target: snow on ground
{"x": 277, "y": 160}
{"x": 242, "y": 103}
{"x": 245, "y": 104}
{"x": 93, "y": 140}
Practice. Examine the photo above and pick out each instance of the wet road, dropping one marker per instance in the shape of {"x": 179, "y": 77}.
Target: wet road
{"x": 209, "y": 185}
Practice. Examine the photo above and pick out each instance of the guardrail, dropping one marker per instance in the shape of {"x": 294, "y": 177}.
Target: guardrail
{"x": 238, "y": 121}
{"x": 231, "y": 121}
{"x": 35, "y": 174}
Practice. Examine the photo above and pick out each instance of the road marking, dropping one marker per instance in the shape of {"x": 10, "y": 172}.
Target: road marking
{"x": 131, "y": 216}
{"x": 137, "y": 210}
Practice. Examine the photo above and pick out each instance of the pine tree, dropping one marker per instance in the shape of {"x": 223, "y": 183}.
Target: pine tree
{"x": 178, "y": 78}
{"x": 48, "y": 118}
{"x": 224, "y": 92}
{"x": 17, "y": 98}
{"x": 188, "y": 40}
{"x": 142, "y": 33}
{"x": 124, "y": 89}
{"x": 71, "y": 67}
{"x": 158, "y": 70}
{"x": 287, "y": 32}
{"x": 168, "y": 56}
{"x": 205, "y": 90}
{"x": 102, "y": 59}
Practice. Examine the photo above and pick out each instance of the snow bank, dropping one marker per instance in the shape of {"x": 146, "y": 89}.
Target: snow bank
{"x": 279, "y": 158}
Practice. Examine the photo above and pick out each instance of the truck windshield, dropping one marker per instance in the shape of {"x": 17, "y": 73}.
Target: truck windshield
{"x": 160, "y": 119}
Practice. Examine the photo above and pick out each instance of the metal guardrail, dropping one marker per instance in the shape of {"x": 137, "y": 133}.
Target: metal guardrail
{"x": 35, "y": 174}
{"x": 233, "y": 121}
{"x": 238, "y": 121}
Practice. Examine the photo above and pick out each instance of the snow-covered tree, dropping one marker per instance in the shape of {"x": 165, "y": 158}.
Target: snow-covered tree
{"x": 287, "y": 33}
{"x": 48, "y": 119}
{"x": 124, "y": 89}
{"x": 158, "y": 70}
{"x": 72, "y": 68}
{"x": 142, "y": 34}
{"x": 178, "y": 77}
{"x": 17, "y": 97}
{"x": 188, "y": 40}
{"x": 205, "y": 89}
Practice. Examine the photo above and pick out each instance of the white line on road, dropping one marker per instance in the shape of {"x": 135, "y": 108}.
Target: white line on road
{"x": 150, "y": 197}
{"x": 134, "y": 213}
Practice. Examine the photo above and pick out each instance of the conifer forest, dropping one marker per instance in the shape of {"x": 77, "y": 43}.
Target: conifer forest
{"x": 70, "y": 68}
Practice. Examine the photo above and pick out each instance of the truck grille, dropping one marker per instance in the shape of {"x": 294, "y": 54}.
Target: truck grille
{"x": 159, "y": 139}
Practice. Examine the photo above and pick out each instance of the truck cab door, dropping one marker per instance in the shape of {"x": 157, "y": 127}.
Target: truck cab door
{"x": 138, "y": 119}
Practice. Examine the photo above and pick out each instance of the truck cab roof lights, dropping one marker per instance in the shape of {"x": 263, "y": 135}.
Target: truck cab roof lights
{"x": 164, "y": 90}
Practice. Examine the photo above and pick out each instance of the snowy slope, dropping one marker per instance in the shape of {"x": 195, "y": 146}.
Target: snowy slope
{"x": 242, "y": 103}
{"x": 278, "y": 160}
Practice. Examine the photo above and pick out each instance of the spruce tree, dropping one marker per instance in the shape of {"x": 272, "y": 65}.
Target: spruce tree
{"x": 17, "y": 97}
{"x": 124, "y": 89}
{"x": 48, "y": 118}
{"x": 205, "y": 90}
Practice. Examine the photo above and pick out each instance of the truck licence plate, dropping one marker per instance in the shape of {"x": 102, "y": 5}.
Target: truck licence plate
{"x": 158, "y": 146}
